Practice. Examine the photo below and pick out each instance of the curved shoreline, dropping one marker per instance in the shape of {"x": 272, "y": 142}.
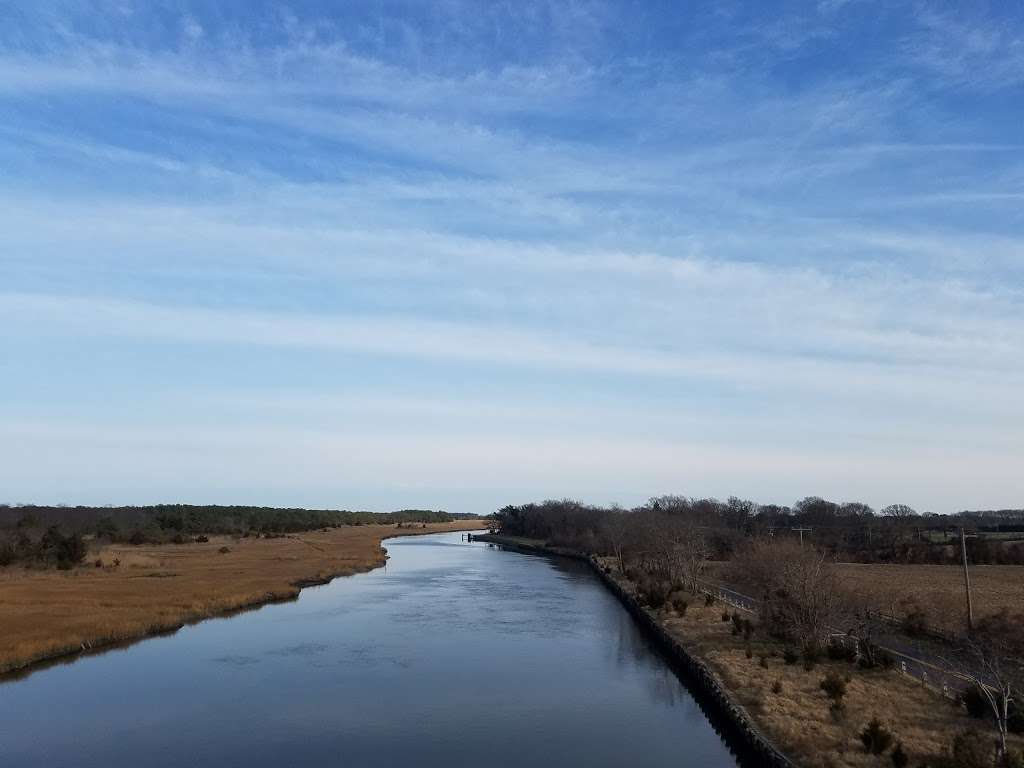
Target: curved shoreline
{"x": 705, "y": 685}
{"x": 21, "y": 668}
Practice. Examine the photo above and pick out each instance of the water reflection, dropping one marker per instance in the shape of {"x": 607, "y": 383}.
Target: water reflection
{"x": 457, "y": 654}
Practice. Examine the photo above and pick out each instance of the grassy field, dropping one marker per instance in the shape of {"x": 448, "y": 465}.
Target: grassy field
{"x": 939, "y": 589}
{"x": 795, "y": 715}
{"x": 797, "y": 718}
{"x": 44, "y": 614}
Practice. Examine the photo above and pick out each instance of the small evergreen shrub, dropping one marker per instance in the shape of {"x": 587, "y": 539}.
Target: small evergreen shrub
{"x": 790, "y": 656}
{"x": 834, "y": 686}
{"x": 899, "y": 757}
{"x": 875, "y": 737}
{"x": 975, "y": 703}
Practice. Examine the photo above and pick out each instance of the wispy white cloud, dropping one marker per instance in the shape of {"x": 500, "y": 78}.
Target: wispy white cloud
{"x": 557, "y": 198}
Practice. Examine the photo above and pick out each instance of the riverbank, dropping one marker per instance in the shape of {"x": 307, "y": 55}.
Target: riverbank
{"x": 777, "y": 708}
{"x": 147, "y": 590}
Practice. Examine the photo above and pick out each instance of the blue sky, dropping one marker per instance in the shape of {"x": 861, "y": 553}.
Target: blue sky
{"x": 461, "y": 254}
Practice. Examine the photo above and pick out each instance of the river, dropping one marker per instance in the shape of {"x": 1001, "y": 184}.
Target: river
{"x": 455, "y": 654}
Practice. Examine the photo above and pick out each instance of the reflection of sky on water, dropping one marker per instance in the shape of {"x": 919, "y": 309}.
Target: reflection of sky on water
{"x": 456, "y": 654}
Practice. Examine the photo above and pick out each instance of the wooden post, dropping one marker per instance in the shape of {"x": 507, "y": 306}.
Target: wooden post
{"x": 801, "y": 530}
{"x": 967, "y": 581}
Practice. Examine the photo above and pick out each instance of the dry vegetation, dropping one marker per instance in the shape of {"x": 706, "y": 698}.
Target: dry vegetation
{"x": 939, "y": 589}
{"x": 797, "y": 718}
{"x": 157, "y": 588}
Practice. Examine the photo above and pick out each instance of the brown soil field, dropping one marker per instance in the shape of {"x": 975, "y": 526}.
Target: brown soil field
{"x": 797, "y": 719}
{"x": 45, "y": 614}
{"x": 939, "y": 589}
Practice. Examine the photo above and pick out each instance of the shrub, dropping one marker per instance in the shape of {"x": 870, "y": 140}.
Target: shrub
{"x": 975, "y": 703}
{"x": 654, "y": 593}
{"x": 202, "y": 539}
{"x": 137, "y": 537}
{"x": 790, "y": 656}
{"x": 834, "y": 686}
{"x": 98, "y": 563}
{"x": 915, "y": 621}
{"x": 880, "y": 658}
{"x": 972, "y": 749}
{"x": 709, "y": 599}
{"x": 727, "y": 617}
{"x": 6, "y": 554}
{"x": 181, "y": 539}
{"x": 1015, "y": 719}
{"x": 875, "y": 738}
{"x": 680, "y": 604}
{"x": 224, "y": 550}
{"x": 839, "y": 652}
{"x": 117, "y": 561}
{"x": 899, "y": 757}
{"x": 777, "y": 687}
{"x": 750, "y": 652}
{"x": 763, "y": 660}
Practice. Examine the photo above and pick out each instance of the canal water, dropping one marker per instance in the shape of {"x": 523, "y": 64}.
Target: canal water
{"x": 455, "y": 654}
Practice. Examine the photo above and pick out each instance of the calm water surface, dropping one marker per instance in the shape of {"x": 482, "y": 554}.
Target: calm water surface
{"x": 455, "y": 654}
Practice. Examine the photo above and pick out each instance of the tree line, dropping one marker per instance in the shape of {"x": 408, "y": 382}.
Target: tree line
{"x": 855, "y": 530}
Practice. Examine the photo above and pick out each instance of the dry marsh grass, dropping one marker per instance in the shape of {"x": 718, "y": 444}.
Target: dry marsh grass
{"x": 158, "y": 588}
{"x": 797, "y": 718}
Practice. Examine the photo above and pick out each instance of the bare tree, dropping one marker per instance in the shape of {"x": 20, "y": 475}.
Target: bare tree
{"x": 801, "y": 595}
{"x": 899, "y": 511}
{"x": 695, "y": 554}
{"x": 992, "y": 661}
{"x": 616, "y": 532}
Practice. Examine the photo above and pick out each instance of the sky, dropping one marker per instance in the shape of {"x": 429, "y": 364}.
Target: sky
{"x": 463, "y": 254}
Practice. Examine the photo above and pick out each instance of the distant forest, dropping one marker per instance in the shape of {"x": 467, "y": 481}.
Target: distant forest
{"x": 56, "y": 535}
{"x": 207, "y": 518}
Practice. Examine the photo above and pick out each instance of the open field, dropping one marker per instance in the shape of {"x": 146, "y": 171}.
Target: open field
{"x": 796, "y": 716}
{"x": 157, "y": 588}
{"x": 939, "y": 589}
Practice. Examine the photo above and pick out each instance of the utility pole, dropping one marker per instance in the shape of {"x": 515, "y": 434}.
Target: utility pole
{"x": 801, "y": 531}
{"x": 967, "y": 581}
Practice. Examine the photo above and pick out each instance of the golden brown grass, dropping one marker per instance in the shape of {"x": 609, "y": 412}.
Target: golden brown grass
{"x": 939, "y": 589}
{"x": 156, "y": 588}
{"x": 797, "y": 719}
